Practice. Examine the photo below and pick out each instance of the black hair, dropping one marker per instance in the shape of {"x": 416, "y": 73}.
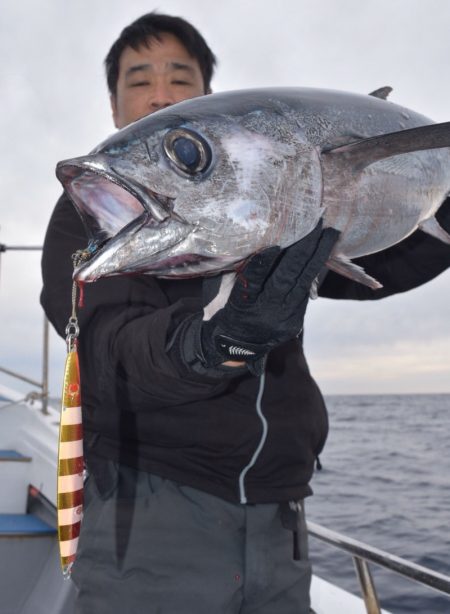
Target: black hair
{"x": 151, "y": 26}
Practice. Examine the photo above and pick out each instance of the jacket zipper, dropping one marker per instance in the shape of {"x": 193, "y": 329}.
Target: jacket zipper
{"x": 257, "y": 452}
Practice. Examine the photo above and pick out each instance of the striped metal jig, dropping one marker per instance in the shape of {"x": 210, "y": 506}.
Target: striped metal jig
{"x": 70, "y": 449}
{"x": 70, "y": 464}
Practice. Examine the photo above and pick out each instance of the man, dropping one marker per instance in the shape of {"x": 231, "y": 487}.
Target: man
{"x": 199, "y": 462}
{"x": 176, "y": 64}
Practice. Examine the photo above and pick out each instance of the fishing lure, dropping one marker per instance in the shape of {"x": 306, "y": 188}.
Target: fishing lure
{"x": 70, "y": 449}
{"x": 70, "y": 464}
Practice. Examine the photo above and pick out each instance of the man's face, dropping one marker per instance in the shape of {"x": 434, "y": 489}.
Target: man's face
{"x": 154, "y": 77}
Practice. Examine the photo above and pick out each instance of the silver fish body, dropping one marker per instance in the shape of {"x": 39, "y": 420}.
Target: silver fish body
{"x": 196, "y": 188}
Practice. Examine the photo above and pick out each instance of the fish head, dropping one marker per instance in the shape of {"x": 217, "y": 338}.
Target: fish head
{"x": 194, "y": 189}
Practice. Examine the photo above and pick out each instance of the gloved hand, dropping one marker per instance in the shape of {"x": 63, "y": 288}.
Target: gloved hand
{"x": 267, "y": 304}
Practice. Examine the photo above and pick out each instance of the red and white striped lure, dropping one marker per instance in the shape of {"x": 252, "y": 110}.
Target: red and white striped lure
{"x": 70, "y": 463}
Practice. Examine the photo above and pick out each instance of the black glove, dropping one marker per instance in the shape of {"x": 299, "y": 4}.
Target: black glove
{"x": 267, "y": 304}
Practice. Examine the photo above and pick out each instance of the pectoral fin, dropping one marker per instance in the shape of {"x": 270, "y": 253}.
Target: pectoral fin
{"x": 363, "y": 153}
{"x": 344, "y": 266}
{"x": 432, "y": 227}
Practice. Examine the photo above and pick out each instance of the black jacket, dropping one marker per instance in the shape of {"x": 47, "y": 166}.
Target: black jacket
{"x": 143, "y": 409}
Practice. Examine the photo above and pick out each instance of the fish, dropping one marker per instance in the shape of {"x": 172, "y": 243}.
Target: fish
{"x": 70, "y": 487}
{"x": 198, "y": 187}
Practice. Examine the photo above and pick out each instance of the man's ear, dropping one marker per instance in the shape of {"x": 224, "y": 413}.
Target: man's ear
{"x": 113, "y": 103}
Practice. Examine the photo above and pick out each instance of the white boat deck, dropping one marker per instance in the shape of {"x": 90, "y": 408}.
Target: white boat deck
{"x": 327, "y": 598}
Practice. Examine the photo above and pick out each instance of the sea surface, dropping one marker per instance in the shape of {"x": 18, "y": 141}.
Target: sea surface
{"x": 385, "y": 481}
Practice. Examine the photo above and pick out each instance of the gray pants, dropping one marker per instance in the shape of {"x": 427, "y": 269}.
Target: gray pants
{"x": 150, "y": 546}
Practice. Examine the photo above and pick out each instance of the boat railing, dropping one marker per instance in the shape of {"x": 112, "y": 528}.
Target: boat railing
{"x": 42, "y": 385}
{"x": 364, "y": 554}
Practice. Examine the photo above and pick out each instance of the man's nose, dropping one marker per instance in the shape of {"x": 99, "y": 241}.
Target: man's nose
{"x": 161, "y": 96}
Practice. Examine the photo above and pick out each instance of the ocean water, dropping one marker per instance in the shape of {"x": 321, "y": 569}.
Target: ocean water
{"x": 386, "y": 482}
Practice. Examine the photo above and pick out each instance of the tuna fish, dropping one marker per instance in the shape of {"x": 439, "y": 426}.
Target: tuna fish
{"x": 198, "y": 187}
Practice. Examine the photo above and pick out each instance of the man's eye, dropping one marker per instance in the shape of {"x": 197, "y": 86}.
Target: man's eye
{"x": 187, "y": 150}
{"x": 139, "y": 83}
{"x": 180, "y": 82}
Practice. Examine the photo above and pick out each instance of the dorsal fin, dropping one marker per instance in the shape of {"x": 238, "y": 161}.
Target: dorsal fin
{"x": 382, "y": 92}
{"x": 360, "y": 154}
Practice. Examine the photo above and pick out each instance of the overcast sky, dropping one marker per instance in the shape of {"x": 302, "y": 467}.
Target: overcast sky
{"x": 55, "y": 105}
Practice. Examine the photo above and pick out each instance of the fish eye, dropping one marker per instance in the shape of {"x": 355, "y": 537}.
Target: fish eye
{"x": 187, "y": 150}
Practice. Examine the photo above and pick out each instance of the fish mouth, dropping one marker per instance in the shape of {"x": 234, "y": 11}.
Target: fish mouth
{"x": 131, "y": 229}
{"x": 105, "y": 201}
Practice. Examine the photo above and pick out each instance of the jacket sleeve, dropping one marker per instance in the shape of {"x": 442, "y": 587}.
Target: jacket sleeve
{"x": 407, "y": 265}
{"x": 65, "y": 235}
{"x": 125, "y": 324}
